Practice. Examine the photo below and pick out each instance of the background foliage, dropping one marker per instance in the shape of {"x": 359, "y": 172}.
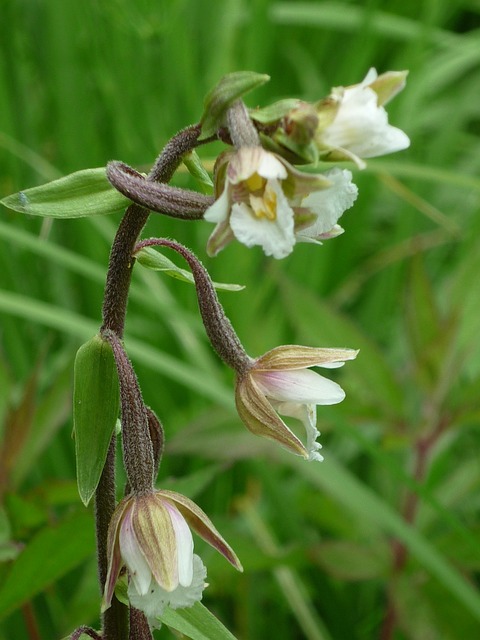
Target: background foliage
{"x": 85, "y": 82}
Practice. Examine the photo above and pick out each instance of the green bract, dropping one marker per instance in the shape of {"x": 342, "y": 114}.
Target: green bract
{"x": 230, "y": 88}
{"x": 151, "y": 259}
{"x": 198, "y": 171}
{"x": 95, "y": 411}
{"x": 80, "y": 194}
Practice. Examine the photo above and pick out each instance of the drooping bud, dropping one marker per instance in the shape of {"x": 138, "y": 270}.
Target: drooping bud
{"x": 158, "y": 197}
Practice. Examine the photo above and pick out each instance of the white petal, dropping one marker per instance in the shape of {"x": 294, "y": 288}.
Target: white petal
{"x": 130, "y": 551}
{"x": 271, "y": 168}
{"x": 154, "y": 602}
{"x": 304, "y": 387}
{"x": 276, "y": 237}
{"x": 218, "y": 211}
{"x": 184, "y": 541}
{"x": 329, "y": 204}
{"x": 307, "y": 413}
{"x": 361, "y": 126}
{"x": 187, "y": 596}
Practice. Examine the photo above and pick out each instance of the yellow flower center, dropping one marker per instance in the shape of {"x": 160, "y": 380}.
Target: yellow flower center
{"x": 255, "y": 183}
{"x": 266, "y": 206}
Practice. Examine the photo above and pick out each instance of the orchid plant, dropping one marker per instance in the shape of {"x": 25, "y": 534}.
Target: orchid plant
{"x": 262, "y": 197}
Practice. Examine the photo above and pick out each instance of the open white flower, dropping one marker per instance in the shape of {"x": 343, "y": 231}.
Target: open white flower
{"x": 263, "y": 201}
{"x": 150, "y": 535}
{"x": 355, "y": 125}
{"x": 280, "y": 381}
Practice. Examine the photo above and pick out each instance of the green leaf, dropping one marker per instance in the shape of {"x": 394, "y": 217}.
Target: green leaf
{"x": 230, "y": 88}
{"x": 152, "y": 259}
{"x": 47, "y": 557}
{"x": 80, "y": 194}
{"x": 95, "y": 410}
{"x": 196, "y": 623}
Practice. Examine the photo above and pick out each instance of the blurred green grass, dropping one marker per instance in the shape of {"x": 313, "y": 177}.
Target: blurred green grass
{"x": 83, "y": 83}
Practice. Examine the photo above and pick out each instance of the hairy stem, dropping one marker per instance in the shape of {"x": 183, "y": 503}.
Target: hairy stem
{"x": 115, "y": 619}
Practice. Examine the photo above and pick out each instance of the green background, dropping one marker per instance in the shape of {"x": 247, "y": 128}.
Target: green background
{"x": 85, "y": 82}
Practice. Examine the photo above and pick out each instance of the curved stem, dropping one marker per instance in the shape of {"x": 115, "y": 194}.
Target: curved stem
{"x": 219, "y": 329}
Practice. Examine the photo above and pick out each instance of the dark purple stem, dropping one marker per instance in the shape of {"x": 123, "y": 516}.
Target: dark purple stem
{"x": 218, "y": 327}
{"x": 137, "y": 445}
{"x": 115, "y": 619}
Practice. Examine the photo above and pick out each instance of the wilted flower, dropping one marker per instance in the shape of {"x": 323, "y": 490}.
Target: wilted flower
{"x": 353, "y": 123}
{"x": 262, "y": 200}
{"x": 150, "y": 535}
{"x": 280, "y": 382}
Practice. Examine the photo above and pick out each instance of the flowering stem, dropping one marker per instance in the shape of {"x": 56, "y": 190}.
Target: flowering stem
{"x": 218, "y": 327}
{"x": 139, "y": 627}
{"x": 115, "y": 619}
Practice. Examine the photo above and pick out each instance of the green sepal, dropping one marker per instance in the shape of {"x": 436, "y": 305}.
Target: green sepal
{"x": 230, "y": 88}
{"x": 275, "y": 111}
{"x": 95, "y": 410}
{"x": 197, "y": 170}
{"x": 152, "y": 259}
{"x": 295, "y": 154}
{"x": 80, "y": 194}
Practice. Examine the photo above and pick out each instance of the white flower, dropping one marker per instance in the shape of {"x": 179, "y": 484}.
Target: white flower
{"x": 263, "y": 201}
{"x": 150, "y": 535}
{"x": 280, "y": 381}
{"x": 357, "y": 127}
{"x": 328, "y": 206}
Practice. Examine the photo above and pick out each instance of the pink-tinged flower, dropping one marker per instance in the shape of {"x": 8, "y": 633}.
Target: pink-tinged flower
{"x": 354, "y": 123}
{"x": 263, "y": 201}
{"x": 150, "y": 535}
{"x": 280, "y": 382}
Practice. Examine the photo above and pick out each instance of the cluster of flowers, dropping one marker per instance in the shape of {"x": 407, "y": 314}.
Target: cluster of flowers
{"x": 261, "y": 200}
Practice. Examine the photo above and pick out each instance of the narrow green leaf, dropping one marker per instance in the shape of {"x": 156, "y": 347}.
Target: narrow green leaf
{"x": 52, "y": 553}
{"x": 95, "y": 411}
{"x": 196, "y": 623}
{"x": 152, "y": 259}
{"x": 230, "y": 88}
{"x": 80, "y": 194}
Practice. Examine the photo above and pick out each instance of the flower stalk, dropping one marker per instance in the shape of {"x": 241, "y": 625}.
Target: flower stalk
{"x": 115, "y": 620}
